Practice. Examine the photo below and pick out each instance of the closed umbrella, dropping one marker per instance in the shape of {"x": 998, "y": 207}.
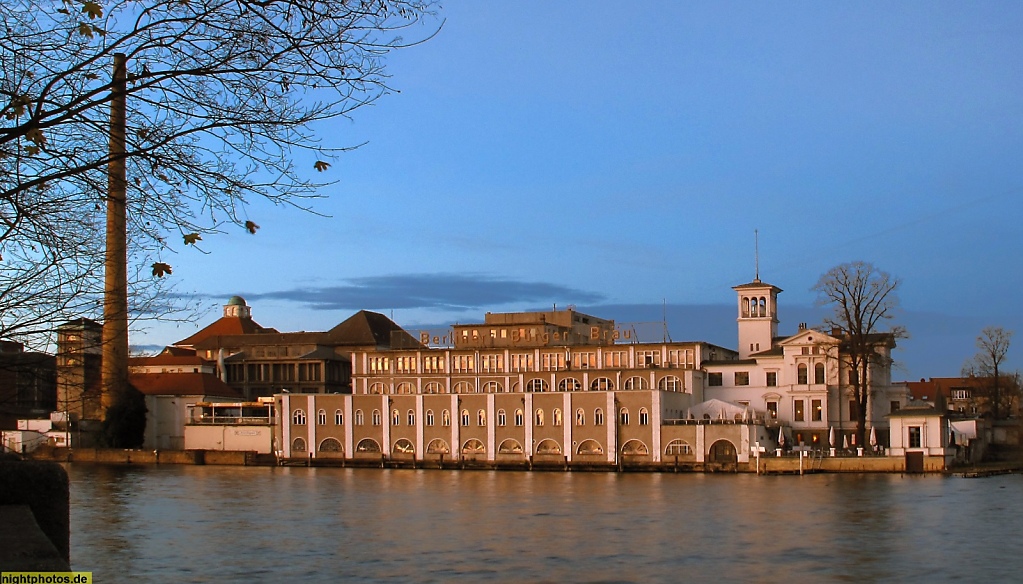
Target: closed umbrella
{"x": 781, "y": 437}
{"x": 845, "y": 442}
{"x": 831, "y": 437}
{"x": 873, "y": 437}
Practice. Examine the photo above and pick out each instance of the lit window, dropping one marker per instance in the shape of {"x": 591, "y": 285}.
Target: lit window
{"x": 519, "y": 418}
{"x": 556, "y": 417}
{"x": 465, "y": 417}
{"x": 798, "y": 409}
{"x": 580, "y": 417}
{"x": 481, "y": 418}
{"x": 539, "y": 417}
{"x": 502, "y": 418}
{"x": 445, "y": 418}
{"x": 395, "y": 418}
{"x": 816, "y": 410}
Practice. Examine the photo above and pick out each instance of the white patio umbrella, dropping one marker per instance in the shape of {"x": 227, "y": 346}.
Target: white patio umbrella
{"x": 845, "y": 442}
{"x": 873, "y": 437}
{"x": 745, "y": 415}
{"x": 781, "y": 437}
{"x": 831, "y": 437}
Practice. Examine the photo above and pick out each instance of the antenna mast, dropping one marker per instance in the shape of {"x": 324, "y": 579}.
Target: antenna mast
{"x": 756, "y": 255}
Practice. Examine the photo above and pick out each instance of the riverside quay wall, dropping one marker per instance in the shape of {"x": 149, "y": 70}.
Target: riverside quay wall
{"x": 788, "y": 464}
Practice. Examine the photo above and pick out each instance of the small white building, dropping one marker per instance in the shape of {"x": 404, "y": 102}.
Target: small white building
{"x": 168, "y": 398}
{"x": 922, "y": 434}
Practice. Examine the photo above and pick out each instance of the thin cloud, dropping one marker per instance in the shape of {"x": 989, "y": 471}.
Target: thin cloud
{"x": 429, "y": 291}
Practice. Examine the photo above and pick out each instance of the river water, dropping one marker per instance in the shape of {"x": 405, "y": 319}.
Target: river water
{"x": 243, "y": 524}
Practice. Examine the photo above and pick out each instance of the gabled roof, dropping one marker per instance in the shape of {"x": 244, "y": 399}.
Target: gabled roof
{"x": 177, "y": 351}
{"x": 167, "y": 359}
{"x": 199, "y": 384}
{"x": 271, "y": 337}
{"x": 804, "y": 335}
{"x": 223, "y": 326}
{"x": 365, "y": 328}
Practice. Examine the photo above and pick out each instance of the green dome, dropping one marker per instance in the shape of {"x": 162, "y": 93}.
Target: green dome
{"x": 236, "y": 301}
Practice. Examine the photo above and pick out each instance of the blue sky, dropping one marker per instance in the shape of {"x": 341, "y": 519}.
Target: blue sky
{"x": 618, "y": 157}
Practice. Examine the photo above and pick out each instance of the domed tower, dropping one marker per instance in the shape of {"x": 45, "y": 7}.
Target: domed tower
{"x": 758, "y": 316}
{"x": 236, "y": 307}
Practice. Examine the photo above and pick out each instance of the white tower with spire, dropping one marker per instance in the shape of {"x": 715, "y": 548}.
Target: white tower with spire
{"x": 758, "y": 313}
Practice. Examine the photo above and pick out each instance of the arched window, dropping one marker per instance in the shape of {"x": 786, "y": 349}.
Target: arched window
{"x": 556, "y": 417}
{"x": 678, "y": 448}
{"x": 481, "y": 418}
{"x": 465, "y": 417}
{"x": 590, "y": 447}
{"x": 321, "y": 417}
{"x": 493, "y": 387}
{"x": 437, "y": 446}
{"x": 669, "y": 383}
{"x": 429, "y": 417}
{"x": 395, "y": 418}
{"x": 569, "y": 384}
{"x": 509, "y": 446}
{"x": 367, "y": 445}
{"x": 539, "y": 418}
{"x": 502, "y": 418}
{"x": 433, "y": 387}
{"x": 801, "y": 374}
{"x": 519, "y": 418}
{"x": 548, "y": 446}
{"x": 298, "y": 417}
{"x": 636, "y": 382}
{"x": 376, "y": 418}
{"x": 404, "y": 388}
{"x": 465, "y": 387}
{"x": 763, "y": 306}
{"x": 411, "y": 415}
{"x": 331, "y": 445}
{"x": 580, "y": 417}
{"x": 818, "y": 373}
{"x": 635, "y": 448}
{"x": 644, "y": 417}
{"x": 623, "y": 416}
{"x": 339, "y": 418}
{"x": 745, "y": 306}
{"x": 377, "y": 388}
{"x": 403, "y": 446}
{"x": 598, "y": 417}
{"x": 537, "y": 385}
{"x": 298, "y": 445}
{"x": 445, "y": 418}
{"x": 473, "y": 446}
{"x": 602, "y": 384}
{"x": 359, "y": 418}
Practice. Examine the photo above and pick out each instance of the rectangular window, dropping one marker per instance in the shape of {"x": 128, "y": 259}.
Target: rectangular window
{"x": 463, "y": 363}
{"x": 714, "y": 379}
{"x": 433, "y": 363}
{"x": 816, "y": 410}
{"x": 405, "y": 364}
{"x": 772, "y": 409}
{"x": 852, "y": 409}
{"x": 522, "y": 362}
{"x": 552, "y": 361}
{"x": 613, "y": 359}
{"x": 799, "y": 414}
{"x": 742, "y": 378}
{"x": 648, "y": 358}
{"x": 894, "y": 406}
{"x": 915, "y": 437}
{"x": 772, "y": 379}
{"x": 584, "y": 360}
{"x": 493, "y": 363}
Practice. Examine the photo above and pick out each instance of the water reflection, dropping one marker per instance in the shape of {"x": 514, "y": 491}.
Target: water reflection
{"x": 196, "y": 524}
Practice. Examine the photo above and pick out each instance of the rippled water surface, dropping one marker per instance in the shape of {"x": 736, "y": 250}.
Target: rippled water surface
{"x": 242, "y": 524}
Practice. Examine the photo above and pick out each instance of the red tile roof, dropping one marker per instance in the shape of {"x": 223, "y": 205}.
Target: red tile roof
{"x": 168, "y": 359}
{"x": 199, "y": 384}
{"x": 223, "y": 326}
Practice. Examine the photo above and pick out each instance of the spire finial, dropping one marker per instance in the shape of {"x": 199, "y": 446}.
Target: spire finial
{"x": 756, "y": 255}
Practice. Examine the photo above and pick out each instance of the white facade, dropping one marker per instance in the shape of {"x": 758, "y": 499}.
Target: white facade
{"x": 801, "y": 380}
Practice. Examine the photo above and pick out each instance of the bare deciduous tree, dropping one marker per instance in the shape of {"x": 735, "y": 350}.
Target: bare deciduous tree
{"x": 226, "y": 101}
{"x": 992, "y": 347}
{"x": 864, "y": 299}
